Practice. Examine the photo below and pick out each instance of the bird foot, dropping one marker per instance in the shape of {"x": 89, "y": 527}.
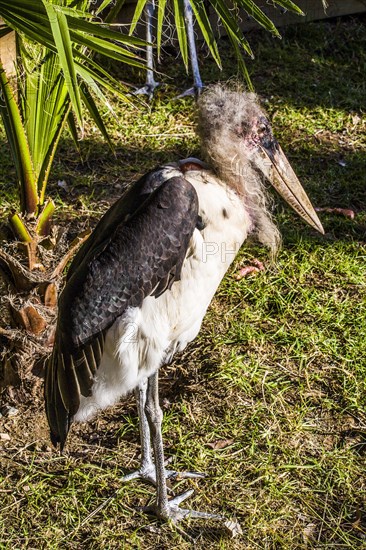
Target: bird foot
{"x": 172, "y": 512}
{"x": 172, "y": 474}
{"x": 195, "y": 91}
{"x": 147, "y": 90}
{"x": 146, "y": 473}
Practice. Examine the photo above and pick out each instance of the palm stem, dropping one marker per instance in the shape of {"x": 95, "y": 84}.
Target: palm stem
{"x": 44, "y": 219}
{"x": 19, "y": 145}
{"x": 20, "y": 230}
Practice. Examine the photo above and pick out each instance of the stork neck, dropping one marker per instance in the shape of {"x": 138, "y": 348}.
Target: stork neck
{"x": 234, "y": 177}
{"x": 237, "y": 173}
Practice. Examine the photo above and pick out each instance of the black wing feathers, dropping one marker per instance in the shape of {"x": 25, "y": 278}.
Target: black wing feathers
{"x": 118, "y": 213}
{"x": 142, "y": 255}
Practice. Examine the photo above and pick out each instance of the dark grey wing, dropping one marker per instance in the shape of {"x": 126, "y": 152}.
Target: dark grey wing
{"x": 118, "y": 213}
{"x": 143, "y": 257}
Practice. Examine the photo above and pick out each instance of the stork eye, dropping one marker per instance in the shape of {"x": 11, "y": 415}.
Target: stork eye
{"x": 262, "y": 128}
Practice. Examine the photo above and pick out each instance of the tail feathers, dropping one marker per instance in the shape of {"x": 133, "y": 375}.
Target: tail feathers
{"x": 69, "y": 375}
{"x": 58, "y": 415}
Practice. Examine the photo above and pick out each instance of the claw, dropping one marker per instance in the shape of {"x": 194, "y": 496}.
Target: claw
{"x": 172, "y": 474}
{"x": 175, "y": 514}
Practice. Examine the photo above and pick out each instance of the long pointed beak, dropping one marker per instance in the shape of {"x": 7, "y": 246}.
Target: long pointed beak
{"x": 278, "y": 171}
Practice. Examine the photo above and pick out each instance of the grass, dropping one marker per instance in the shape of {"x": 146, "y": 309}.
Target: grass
{"x": 270, "y": 400}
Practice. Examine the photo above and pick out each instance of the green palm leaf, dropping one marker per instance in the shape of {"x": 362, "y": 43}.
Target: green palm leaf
{"x": 228, "y": 15}
{"x": 58, "y": 72}
{"x": 18, "y": 143}
{"x": 231, "y": 25}
{"x": 159, "y": 29}
{"x": 140, "y": 4}
{"x": 94, "y": 112}
{"x": 181, "y": 30}
{"x": 288, "y": 5}
{"x": 206, "y": 29}
{"x": 114, "y": 10}
{"x": 258, "y": 15}
{"x": 37, "y": 21}
{"x": 63, "y": 44}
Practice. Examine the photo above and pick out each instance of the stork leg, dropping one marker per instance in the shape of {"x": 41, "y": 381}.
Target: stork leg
{"x": 164, "y": 509}
{"x": 197, "y": 82}
{"x": 147, "y": 467}
{"x": 150, "y": 83}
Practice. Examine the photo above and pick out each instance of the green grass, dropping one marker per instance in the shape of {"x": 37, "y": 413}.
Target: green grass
{"x": 270, "y": 400}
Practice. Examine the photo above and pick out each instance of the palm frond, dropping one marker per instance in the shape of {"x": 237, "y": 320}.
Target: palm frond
{"x": 61, "y": 35}
{"x": 181, "y": 29}
{"x": 59, "y": 72}
{"x": 288, "y": 5}
{"x": 18, "y": 143}
{"x": 228, "y": 14}
{"x": 206, "y": 30}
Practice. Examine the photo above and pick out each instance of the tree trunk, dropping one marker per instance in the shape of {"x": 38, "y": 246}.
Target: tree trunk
{"x": 29, "y": 288}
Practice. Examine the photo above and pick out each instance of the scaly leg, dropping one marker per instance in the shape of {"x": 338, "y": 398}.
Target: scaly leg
{"x": 147, "y": 468}
{"x": 150, "y": 83}
{"x": 197, "y": 82}
{"x": 164, "y": 509}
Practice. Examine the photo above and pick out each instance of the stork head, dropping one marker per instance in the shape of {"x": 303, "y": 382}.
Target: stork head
{"x": 237, "y": 138}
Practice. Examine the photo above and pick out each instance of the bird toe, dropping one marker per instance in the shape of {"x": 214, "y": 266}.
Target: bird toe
{"x": 173, "y": 513}
{"x": 147, "y": 90}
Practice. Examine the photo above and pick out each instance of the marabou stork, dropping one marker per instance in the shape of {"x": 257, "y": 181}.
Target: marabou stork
{"x": 150, "y": 83}
{"x": 137, "y": 291}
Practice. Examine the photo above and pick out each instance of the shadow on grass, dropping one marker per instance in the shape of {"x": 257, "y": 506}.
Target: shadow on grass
{"x": 319, "y": 64}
